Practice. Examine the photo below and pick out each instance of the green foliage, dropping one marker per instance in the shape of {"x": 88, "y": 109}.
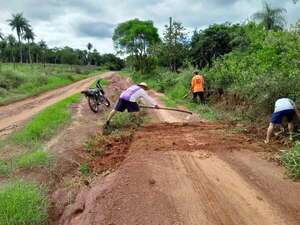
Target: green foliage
{"x": 26, "y": 80}
{"x": 33, "y": 159}
{"x": 216, "y": 41}
{"x": 45, "y": 124}
{"x": 269, "y": 69}
{"x": 134, "y": 37}
{"x": 173, "y": 51}
{"x": 291, "y": 160}
{"x": 22, "y": 203}
{"x": 84, "y": 169}
{"x": 4, "y": 168}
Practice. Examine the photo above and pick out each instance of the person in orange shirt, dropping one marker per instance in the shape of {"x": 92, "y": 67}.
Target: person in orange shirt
{"x": 197, "y": 87}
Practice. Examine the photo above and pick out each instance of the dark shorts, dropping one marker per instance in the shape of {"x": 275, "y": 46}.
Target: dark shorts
{"x": 198, "y": 94}
{"x": 278, "y": 116}
{"x": 124, "y": 104}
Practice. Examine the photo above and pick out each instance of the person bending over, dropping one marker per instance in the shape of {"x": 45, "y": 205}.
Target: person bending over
{"x": 128, "y": 100}
{"x": 284, "y": 107}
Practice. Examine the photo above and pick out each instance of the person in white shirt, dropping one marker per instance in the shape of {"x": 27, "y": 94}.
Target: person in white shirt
{"x": 284, "y": 107}
{"x": 128, "y": 100}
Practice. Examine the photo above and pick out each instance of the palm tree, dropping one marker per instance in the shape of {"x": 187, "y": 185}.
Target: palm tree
{"x": 11, "y": 41}
{"x": 29, "y": 36}
{"x": 271, "y": 18}
{"x": 19, "y": 23}
{"x": 89, "y": 47}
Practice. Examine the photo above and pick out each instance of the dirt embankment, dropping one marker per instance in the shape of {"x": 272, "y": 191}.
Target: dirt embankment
{"x": 187, "y": 173}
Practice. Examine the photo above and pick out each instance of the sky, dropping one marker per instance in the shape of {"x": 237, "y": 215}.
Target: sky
{"x": 74, "y": 23}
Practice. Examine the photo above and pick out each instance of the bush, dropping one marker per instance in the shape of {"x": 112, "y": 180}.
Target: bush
{"x": 291, "y": 160}
{"x": 10, "y": 80}
{"x": 4, "y": 168}
{"x": 22, "y": 203}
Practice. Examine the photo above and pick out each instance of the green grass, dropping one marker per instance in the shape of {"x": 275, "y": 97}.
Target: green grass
{"x": 291, "y": 160}
{"x": 84, "y": 169}
{"x": 22, "y": 203}
{"x": 45, "y": 124}
{"x": 34, "y": 159}
{"x": 25, "y": 81}
{"x": 4, "y": 168}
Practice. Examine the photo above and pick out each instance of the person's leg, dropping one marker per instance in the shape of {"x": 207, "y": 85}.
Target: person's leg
{"x": 195, "y": 96}
{"x": 110, "y": 116}
{"x": 291, "y": 130}
{"x": 201, "y": 94}
{"x": 269, "y": 133}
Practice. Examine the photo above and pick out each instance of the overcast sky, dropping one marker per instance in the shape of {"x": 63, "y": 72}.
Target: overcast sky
{"x": 77, "y": 22}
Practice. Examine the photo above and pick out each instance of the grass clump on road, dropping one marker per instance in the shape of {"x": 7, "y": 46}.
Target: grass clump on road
{"x": 291, "y": 160}
{"x": 46, "y": 123}
{"x": 22, "y": 203}
{"x": 34, "y": 159}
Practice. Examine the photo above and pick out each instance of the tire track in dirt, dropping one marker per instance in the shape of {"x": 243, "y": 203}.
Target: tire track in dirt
{"x": 13, "y": 116}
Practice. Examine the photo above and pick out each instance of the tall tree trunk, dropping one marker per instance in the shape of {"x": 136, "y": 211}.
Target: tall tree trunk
{"x": 20, "y": 49}
{"x": 29, "y": 55}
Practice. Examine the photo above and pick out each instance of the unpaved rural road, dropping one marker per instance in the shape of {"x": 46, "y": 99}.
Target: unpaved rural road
{"x": 188, "y": 174}
{"x": 12, "y": 116}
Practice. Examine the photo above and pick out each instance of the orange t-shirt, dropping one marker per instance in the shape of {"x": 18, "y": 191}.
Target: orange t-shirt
{"x": 198, "y": 83}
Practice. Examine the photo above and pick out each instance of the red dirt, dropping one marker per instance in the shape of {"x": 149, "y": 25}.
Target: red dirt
{"x": 186, "y": 173}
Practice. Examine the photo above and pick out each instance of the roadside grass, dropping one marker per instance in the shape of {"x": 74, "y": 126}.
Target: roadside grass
{"x": 4, "y": 169}
{"x": 45, "y": 124}
{"x": 291, "y": 160}
{"x": 25, "y": 80}
{"x": 22, "y": 203}
{"x": 34, "y": 159}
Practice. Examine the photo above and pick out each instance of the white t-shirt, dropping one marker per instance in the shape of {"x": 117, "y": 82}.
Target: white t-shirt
{"x": 284, "y": 104}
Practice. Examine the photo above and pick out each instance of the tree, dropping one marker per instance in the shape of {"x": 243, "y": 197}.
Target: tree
{"x": 11, "y": 43}
{"x": 89, "y": 47}
{"x": 134, "y": 37}
{"x": 271, "y": 18}
{"x": 19, "y": 23}
{"x": 173, "y": 50}
{"x": 29, "y": 36}
{"x": 43, "y": 46}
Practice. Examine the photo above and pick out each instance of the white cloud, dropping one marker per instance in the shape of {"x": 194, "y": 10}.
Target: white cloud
{"x": 74, "y": 22}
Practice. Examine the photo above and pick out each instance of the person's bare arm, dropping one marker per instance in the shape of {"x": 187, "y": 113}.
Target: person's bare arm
{"x": 297, "y": 112}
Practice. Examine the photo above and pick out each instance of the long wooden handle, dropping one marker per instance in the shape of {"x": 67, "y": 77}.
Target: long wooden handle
{"x": 164, "y": 108}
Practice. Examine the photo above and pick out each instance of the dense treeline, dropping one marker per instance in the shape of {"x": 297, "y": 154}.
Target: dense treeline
{"x": 249, "y": 64}
{"x": 23, "y": 49}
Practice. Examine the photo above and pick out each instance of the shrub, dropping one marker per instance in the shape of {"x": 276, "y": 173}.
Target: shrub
{"x": 22, "y": 203}
{"x": 10, "y": 80}
{"x": 291, "y": 160}
{"x": 84, "y": 169}
{"x": 4, "y": 168}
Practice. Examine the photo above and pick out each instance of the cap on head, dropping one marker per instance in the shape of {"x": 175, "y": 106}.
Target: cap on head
{"x": 144, "y": 85}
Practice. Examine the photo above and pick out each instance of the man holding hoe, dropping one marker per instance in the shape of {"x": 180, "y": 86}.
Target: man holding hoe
{"x": 284, "y": 107}
{"x": 197, "y": 87}
{"x": 128, "y": 100}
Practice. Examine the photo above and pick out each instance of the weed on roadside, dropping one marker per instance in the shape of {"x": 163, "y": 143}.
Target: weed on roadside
{"x": 45, "y": 124}
{"x": 5, "y": 168}
{"x": 22, "y": 203}
{"x": 291, "y": 160}
{"x": 84, "y": 169}
{"x": 38, "y": 158}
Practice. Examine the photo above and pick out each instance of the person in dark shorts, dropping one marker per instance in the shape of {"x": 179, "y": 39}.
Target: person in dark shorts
{"x": 284, "y": 108}
{"x": 128, "y": 100}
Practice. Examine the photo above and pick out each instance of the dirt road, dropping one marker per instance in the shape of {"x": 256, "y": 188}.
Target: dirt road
{"x": 12, "y": 116}
{"x": 197, "y": 173}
